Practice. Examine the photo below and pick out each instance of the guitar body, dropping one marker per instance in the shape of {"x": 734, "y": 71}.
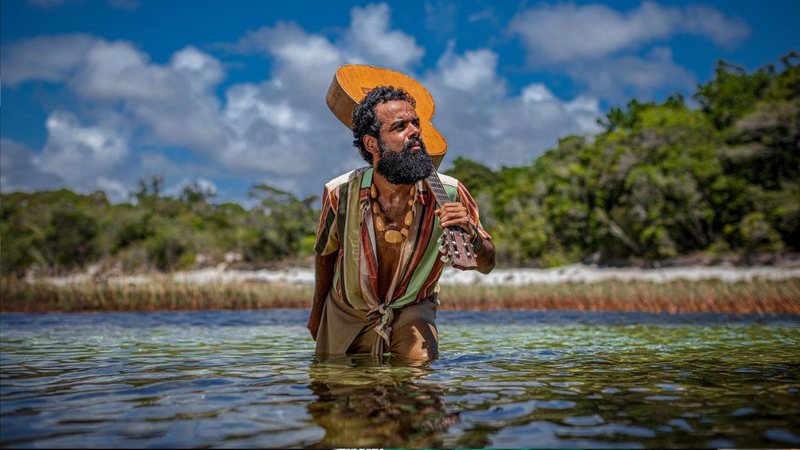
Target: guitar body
{"x": 352, "y": 82}
{"x": 349, "y": 86}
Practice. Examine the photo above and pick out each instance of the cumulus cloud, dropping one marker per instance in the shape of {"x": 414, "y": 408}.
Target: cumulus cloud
{"x": 370, "y": 37}
{"x": 19, "y": 173}
{"x": 277, "y": 130}
{"x": 474, "y": 71}
{"x": 199, "y": 69}
{"x": 566, "y": 32}
{"x": 483, "y": 122}
{"x": 47, "y": 58}
{"x": 76, "y": 153}
{"x": 620, "y": 78}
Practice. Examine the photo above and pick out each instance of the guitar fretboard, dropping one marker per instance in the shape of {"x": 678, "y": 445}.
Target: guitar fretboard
{"x": 438, "y": 190}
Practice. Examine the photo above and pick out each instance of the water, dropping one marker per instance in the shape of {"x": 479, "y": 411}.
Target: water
{"x": 504, "y": 379}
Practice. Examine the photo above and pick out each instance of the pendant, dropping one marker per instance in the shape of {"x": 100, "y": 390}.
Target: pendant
{"x": 393, "y": 236}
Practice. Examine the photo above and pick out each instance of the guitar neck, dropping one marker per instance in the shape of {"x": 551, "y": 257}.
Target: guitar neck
{"x": 456, "y": 241}
{"x": 438, "y": 189}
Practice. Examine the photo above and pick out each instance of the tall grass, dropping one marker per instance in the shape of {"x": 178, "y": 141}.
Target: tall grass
{"x": 18, "y": 295}
{"x": 680, "y": 296}
{"x": 754, "y": 296}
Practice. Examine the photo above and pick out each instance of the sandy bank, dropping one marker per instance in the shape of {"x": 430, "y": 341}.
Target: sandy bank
{"x": 499, "y": 277}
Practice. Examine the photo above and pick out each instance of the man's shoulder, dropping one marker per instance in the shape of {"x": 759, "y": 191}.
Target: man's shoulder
{"x": 447, "y": 180}
{"x": 344, "y": 178}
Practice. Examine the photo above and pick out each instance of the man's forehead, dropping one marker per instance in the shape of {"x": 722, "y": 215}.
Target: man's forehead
{"x": 396, "y": 109}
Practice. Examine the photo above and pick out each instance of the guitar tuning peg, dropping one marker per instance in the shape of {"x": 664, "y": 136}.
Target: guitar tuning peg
{"x": 444, "y": 258}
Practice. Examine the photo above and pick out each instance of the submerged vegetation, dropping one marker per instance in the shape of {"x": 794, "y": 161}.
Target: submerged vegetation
{"x": 661, "y": 181}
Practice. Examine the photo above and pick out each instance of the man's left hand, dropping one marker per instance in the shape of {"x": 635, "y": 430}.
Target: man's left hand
{"x": 455, "y": 214}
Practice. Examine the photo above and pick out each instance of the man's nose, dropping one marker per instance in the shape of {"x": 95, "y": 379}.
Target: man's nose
{"x": 413, "y": 130}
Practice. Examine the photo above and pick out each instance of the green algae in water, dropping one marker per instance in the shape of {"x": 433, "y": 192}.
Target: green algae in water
{"x": 522, "y": 379}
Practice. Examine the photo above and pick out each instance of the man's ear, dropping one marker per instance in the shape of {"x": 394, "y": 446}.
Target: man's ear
{"x": 371, "y": 143}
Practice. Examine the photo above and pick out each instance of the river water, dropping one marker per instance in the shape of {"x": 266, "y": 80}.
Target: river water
{"x": 504, "y": 379}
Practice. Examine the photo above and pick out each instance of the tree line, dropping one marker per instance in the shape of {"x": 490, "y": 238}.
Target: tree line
{"x": 662, "y": 180}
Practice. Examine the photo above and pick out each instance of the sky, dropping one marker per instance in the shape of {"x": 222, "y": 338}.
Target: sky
{"x": 98, "y": 95}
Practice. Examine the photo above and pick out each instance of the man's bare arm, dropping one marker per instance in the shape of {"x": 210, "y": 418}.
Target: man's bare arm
{"x": 323, "y": 279}
{"x": 484, "y": 253}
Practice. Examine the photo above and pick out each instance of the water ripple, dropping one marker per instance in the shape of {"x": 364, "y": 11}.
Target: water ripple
{"x": 507, "y": 379}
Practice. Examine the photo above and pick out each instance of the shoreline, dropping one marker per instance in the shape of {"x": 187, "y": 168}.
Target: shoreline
{"x": 756, "y": 290}
{"x": 575, "y": 273}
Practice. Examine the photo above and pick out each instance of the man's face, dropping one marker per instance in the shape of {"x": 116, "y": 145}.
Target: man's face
{"x": 402, "y": 157}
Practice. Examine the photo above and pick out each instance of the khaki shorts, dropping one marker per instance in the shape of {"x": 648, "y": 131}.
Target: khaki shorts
{"x": 346, "y": 330}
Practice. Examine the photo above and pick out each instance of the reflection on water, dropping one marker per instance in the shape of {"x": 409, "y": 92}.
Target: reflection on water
{"x": 504, "y": 379}
{"x": 363, "y": 403}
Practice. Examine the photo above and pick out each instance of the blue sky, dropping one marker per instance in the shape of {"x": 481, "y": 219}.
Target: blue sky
{"x": 100, "y": 94}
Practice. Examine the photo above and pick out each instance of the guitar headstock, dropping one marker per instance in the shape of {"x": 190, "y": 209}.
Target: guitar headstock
{"x": 456, "y": 248}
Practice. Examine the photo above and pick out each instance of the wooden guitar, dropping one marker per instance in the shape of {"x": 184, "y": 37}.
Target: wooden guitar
{"x": 349, "y": 86}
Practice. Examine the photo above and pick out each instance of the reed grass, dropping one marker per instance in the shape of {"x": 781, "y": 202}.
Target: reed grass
{"x": 681, "y": 296}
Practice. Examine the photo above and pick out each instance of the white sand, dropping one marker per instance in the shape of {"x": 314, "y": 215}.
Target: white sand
{"x": 509, "y": 277}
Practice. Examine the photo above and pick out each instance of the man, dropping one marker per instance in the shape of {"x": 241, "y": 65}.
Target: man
{"x": 378, "y": 261}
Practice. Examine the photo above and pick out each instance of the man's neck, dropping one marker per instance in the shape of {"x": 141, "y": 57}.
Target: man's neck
{"x": 389, "y": 190}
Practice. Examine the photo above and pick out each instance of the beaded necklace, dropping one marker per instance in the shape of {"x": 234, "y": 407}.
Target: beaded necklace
{"x": 389, "y": 235}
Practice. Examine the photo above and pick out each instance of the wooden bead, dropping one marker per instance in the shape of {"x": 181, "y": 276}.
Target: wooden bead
{"x": 393, "y": 237}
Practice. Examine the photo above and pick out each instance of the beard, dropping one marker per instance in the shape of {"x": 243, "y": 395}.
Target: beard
{"x": 404, "y": 167}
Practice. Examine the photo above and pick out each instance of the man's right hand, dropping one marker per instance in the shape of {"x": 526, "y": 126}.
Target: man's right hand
{"x": 313, "y": 324}
{"x": 323, "y": 282}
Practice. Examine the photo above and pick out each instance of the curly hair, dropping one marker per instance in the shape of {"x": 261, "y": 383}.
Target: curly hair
{"x": 365, "y": 119}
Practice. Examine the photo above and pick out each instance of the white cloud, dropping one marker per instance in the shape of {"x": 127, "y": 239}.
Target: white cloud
{"x": 118, "y": 71}
{"x": 537, "y": 93}
{"x": 370, "y": 38}
{"x": 621, "y": 78}
{"x": 44, "y": 58}
{"x": 474, "y": 71}
{"x": 173, "y": 102}
{"x": 17, "y": 171}
{"x": 709, "y": 22}
{"x": 199, "y": 69}
{"x": 277, "y": 130}
{"x": 566, "y": 32}
{"x": 486, "y": 124}
{"x": 78, "y": 154}
{"x": 115, "y": 190}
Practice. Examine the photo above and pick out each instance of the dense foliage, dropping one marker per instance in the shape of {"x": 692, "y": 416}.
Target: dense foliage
{"x": 61, "y": 230}
{"x": 662, "y": 181}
